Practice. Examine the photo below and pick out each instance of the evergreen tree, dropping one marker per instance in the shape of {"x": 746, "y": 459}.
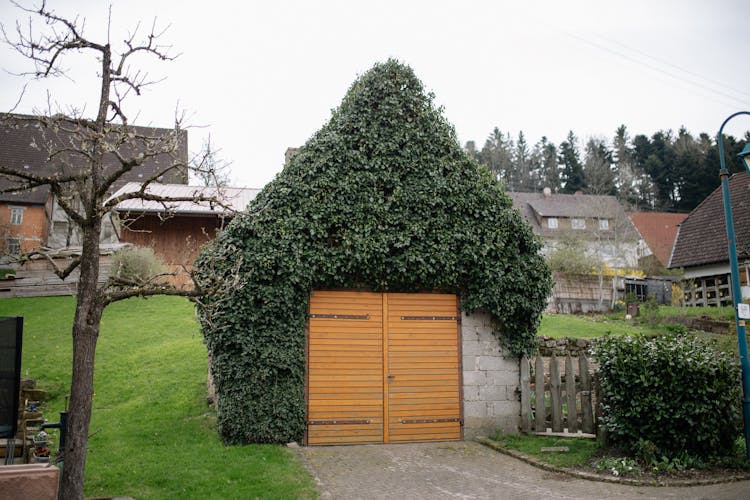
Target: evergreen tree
{"x": 573, "y": 178}
{"x": 497, "y": 154}
{"x": 550, "y": 169}
{"x": 600, "y": 178}
{"x": 521, "y": 174}
{"x": 626, "y": 182}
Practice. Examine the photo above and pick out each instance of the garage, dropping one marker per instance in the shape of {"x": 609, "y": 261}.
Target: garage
{"x": 382, "y": 368}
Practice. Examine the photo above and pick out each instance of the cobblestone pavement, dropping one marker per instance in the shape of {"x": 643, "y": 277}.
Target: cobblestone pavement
{"x": 467, "y": 470}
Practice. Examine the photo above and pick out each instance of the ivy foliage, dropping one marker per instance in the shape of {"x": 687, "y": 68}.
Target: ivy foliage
{"x": 381, "y": 198}
{"x": 675, "y": 392}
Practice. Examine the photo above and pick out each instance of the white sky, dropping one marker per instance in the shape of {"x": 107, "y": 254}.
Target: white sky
{"x": 262, "y": 76}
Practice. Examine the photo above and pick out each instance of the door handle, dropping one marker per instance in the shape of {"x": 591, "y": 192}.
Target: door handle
{"x": 390, "y": 377}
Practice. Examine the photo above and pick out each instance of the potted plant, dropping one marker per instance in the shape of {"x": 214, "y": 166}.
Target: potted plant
{"x": 41, "y": 455}
{"x": 41, "y": 439}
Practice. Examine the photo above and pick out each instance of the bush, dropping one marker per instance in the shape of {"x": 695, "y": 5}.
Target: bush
{"x": 136, "y": 264}
{"x": 673, "y": 391}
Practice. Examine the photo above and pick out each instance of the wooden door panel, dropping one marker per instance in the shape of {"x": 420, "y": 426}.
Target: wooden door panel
{"x": 423, "y": 393}
{"x": 345, "y": 368}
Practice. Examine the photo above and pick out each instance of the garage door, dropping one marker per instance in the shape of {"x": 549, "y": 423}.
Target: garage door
{"x": 382, "y": 368}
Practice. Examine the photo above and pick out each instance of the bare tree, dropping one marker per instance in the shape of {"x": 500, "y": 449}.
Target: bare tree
{"x": 82, "y": 181}
{"x": 208, "y": 167}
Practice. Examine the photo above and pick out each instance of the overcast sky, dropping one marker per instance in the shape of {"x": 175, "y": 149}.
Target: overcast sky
{"x": 262, "y": 76}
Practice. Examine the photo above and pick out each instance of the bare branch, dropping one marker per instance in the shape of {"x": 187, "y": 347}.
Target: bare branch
{"x": 61, "y": 273}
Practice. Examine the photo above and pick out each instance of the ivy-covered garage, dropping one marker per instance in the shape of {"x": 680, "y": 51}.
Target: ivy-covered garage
{"x": 380, "y": 289}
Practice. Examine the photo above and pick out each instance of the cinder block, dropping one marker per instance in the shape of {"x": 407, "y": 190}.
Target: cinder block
{"x": 505, "y": 377}
{"x": 469, "y": 363}
{"x": 471, "y": 393}
{"x": 504, "y": 409}
{"x": 491, "y": 363}
{"x": 474, "y": 378}
{"x": 471, "y": 346}
{"x": 491, "y": 393}
{"x": 475, "y": 409}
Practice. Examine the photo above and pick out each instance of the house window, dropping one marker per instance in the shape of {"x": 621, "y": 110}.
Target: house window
{"x": 16, "y": 216}
{"x": 14, "y": 246}
{"x": 578, "y": 224}
{"x": 603, "y": 224}
{"x": 552, "y": 222}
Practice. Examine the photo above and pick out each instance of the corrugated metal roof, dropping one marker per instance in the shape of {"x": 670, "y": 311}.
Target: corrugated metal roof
{"x": 236, "y": 199}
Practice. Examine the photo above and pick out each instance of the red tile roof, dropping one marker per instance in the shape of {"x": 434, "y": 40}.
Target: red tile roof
{"x": 658, "y": 230}
{"x": 702, "y": 238}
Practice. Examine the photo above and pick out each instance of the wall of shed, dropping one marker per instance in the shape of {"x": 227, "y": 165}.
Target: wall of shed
{"x": 177, "y": 240}
{"x": 491, "y": 378}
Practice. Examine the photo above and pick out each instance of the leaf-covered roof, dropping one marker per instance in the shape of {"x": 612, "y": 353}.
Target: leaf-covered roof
{"x": 382, "y": 197}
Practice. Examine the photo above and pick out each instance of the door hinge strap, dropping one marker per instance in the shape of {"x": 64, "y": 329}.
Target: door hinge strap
{"x": 429, "y": 318}
{"x": 430, "y": 421}
{"x": 340, "y": 316}
{"x": 338, "y": 422}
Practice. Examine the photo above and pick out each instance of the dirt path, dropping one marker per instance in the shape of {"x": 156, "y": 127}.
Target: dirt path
{"x": 467, "y": 470}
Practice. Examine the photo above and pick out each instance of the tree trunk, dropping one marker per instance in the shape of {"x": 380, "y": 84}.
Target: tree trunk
{"x": 88, "y": 315}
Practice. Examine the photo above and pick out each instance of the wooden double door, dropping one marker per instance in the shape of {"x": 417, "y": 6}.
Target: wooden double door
{"x": 383, "y": 368}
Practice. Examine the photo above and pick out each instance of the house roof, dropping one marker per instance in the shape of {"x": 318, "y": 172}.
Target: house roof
{"x": 236, "y": 198}
{"x": 23, "y": 146}
{"x": 658, "y": 230}
{"x": 535, "y": 206}
{"x": 702, "y": 238}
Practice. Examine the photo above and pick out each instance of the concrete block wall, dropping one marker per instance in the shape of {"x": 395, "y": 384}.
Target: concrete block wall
{"x": 491, "y": 379}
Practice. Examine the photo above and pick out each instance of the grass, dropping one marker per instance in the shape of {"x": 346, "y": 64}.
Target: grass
{"x": 614, "y": 323}
{"x": 152, "y": 433}
{"x": 585, "y": 326}
{"x": 580, "y": 451}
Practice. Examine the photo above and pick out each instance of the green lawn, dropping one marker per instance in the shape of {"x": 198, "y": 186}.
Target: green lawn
{"x": 152, "y": 433}
{"x": 581, "y": 326}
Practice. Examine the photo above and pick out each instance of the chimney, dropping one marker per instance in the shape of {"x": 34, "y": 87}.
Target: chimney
{"x": 290, "y": 152}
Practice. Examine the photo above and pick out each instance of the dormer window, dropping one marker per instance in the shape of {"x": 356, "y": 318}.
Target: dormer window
{"x": 578, "y": 223}
{"x": 552, "y": 222}
{"x": 603, "y": 224}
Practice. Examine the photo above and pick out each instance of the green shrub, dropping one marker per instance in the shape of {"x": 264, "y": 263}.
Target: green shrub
{"x": 381, "y": 198}
{"x": 675, "y": 393}
{"x": 136, "y": 265}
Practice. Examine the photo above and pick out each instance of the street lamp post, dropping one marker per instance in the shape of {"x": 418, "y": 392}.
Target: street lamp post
{"x": 739, "y": 316}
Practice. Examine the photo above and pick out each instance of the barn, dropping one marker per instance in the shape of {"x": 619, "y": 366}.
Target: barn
{"x": 380, "y": 290}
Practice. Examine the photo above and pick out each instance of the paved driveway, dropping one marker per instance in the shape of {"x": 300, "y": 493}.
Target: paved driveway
{"x": 467, "y": 470}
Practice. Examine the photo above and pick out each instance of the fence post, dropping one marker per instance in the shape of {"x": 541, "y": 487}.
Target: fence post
{"x": 540, "y": 405}
{"x": 587, "y": 417}
{"x": 570, "y": 395}
{"x": 525, "y": 395}
{"x": 555, "y": 395}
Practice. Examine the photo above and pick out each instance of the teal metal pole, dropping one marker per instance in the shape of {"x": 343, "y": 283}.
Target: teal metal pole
{"x": 736, "y": 289}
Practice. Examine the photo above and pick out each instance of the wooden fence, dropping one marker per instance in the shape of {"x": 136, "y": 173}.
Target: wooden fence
{"x": 552, "y": 404}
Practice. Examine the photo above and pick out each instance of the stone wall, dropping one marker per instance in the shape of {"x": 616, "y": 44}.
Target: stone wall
{"x": 561, "y": 347}
{"x": 491, "y": 379}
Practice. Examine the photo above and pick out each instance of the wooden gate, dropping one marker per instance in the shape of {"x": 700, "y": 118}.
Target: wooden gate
{"x": 382, "y": 368}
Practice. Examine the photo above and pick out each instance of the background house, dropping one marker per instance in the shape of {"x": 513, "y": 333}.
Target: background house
{"x": 657, "y": 231}
{"x": 579, "y": 225}
{"x": 31, "y": 218}
{"x": 177, "y": 231}
{"x": 700, "y": 248}
{"x": 599, "y": 222}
